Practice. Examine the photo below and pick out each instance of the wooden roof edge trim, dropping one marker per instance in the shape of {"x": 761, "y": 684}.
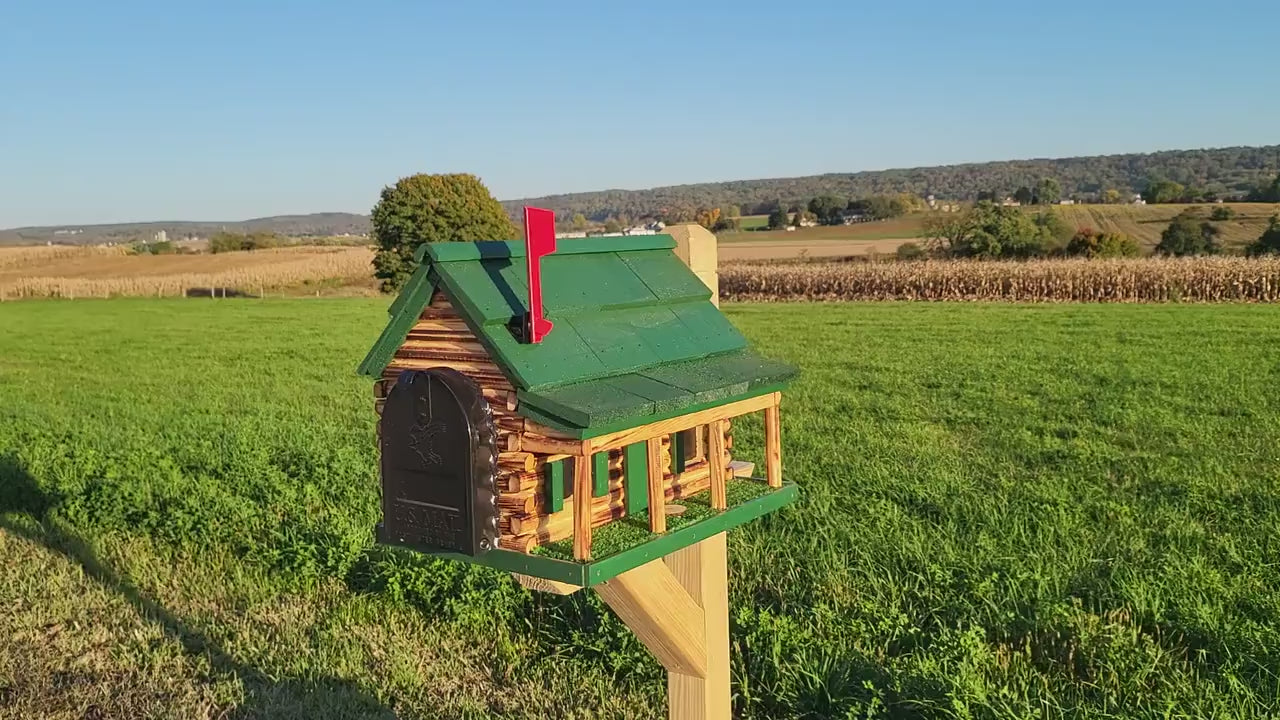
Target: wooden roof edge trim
{"x": 502, "y": 249}
{"x": 590, "y": 436}
{"x": 400, "y": 299}
{"x": 405, "y": 311}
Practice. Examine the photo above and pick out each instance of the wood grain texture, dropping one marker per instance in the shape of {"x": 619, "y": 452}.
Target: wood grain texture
{"x": 550, "y": 446}
{"x": 663, "y": 616}
{"x": 538, "y": 584}
{"x": 702, "y": 570}
{"x": 773, "y": 446}
{"x": 676, "y": 424}
{"x": 657, "y": 499}
{"x": 719, "y": 462}
{"x": 581, "y": 509}
{"x": 519, "y": 461}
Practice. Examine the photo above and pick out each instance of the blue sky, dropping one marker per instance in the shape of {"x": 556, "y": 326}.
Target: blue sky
{"x": 129, "y": 111}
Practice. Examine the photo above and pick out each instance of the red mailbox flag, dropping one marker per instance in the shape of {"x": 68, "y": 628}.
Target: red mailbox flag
{"x": 539, "y": 240}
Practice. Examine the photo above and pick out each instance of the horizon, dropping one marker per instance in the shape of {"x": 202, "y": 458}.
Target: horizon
{"x": 227, "y": 112}
{"x": 365, "y": 213}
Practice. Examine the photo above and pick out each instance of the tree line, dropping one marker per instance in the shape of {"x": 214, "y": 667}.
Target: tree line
{"x": 1226, "y": 172}
{"x": 991, "y": 231}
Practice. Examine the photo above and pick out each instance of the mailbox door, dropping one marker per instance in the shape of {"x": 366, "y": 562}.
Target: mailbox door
{"x": 438, "y": 464}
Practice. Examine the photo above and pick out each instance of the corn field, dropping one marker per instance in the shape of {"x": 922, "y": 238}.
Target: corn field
{"x": 12, "y": 258}
{"x": 1222, "y": 279}
{"x": 108, "y": 272}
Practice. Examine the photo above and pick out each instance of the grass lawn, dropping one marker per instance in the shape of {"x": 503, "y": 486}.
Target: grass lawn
{"x": 1007, "y": 511}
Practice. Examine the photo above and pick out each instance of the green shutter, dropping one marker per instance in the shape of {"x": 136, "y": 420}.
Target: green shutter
{"x": 635, "y": 473}
{"x": 678, "y": 441}
{"x": 555, "y": 486}
{"x": 600, "y": 474}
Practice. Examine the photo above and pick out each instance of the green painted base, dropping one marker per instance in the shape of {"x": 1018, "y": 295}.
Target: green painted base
{"x": 550, "y": 564}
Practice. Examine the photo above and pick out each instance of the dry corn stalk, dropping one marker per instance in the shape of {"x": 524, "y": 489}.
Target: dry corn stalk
{"x": 1218, "y": 279}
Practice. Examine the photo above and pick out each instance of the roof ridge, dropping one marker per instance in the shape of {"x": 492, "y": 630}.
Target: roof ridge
{"x": 501, "y": 249}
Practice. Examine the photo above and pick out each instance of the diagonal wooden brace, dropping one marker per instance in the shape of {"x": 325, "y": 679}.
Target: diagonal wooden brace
{"x": 662, "y": 614}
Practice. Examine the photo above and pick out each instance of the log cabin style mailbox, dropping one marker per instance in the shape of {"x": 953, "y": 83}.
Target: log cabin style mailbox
{"x": 565, "y": 414}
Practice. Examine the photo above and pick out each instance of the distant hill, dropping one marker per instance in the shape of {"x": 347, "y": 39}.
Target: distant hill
{"x": 317, "y": 224}
{"x": 1227, "y": 171}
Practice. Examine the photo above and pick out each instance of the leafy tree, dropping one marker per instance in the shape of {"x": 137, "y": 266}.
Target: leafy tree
{"x": 1111, "y": 196}
{"x": 1269, "y": 242}
{"x": 726, "y": 224}
{"x": 1222, "y": 213}
{"x": 801, "y": 215}
{"x": 431, "y": 208}
{"x": 708, "y": 217}
{"x": 826, "y": 209}
{"x": 986, "y": 231}
{"x": 579, "y": 222}
{"x": 1023, "y": 195}
{"x": 1048, "y": 192}
{"x": 732, "y": 211}
{"x": 1055, "y": 231}
{"x": 909, "y": 202}
{"x": 1092, "y": 244}
{"x": 1164, "y": 191}
{"x": 237, "y": 242}
{"x": 909, "y": 251}
{"x": 778, "y": 219}
{"x": 1267, "y": 193}
{"x": 880, "y": 207}
{"x": 987, "y": 195}
{"x": 679, "y": 213}
{"x": 612, "y": 225}
{"x": 1188, "y": 235}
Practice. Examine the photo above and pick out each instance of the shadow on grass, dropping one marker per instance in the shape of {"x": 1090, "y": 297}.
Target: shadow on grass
{"x": 264, "y": 696}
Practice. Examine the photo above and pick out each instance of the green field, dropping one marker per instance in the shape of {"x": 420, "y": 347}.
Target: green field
{"x": 1008, "y": 511}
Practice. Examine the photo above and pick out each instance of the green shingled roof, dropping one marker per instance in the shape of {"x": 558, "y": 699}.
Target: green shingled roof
{"x": 636, "y": 338}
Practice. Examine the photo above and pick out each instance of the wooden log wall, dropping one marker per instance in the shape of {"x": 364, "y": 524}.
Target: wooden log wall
{"x": 441, "y": 338}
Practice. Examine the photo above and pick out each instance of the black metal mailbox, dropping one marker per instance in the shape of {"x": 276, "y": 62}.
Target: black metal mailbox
{"x": 439, "y": 459}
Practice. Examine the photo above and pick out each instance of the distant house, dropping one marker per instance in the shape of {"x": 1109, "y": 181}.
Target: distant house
{"x": 652, "y": 228}
{"x": 1066, "y": 202}
{"x": 1010, "y": 202}
{"x": 808, "y": 222}
{"x": 1137, "y": 200}
{"x": 574, "y": 234}
{"x": 850, "y": 218}
{"x": 791, "y": 228}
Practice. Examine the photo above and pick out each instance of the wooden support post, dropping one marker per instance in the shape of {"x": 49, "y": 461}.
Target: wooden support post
{"x": 657, "y": 498}
{"x": 582, "y": 509}
{"x": 662, "y": 614}
{"x": 773, "y": 445}
{"x": 719, "y": 463}
{"x": 554, "y": 587}
{"x": 702, "y": 570}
